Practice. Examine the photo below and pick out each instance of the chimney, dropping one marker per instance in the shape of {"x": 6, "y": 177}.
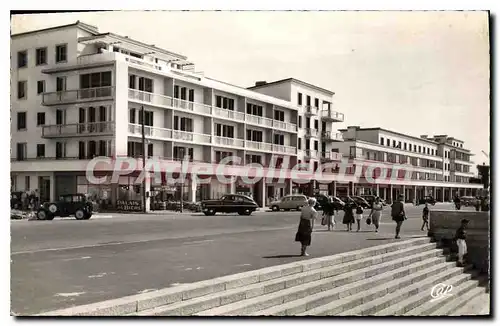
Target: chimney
{"x": 260, "y": 83}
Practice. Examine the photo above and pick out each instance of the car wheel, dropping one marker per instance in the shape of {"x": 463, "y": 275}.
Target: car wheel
{"x": 42, "y": 215}
{"x": 247, "y": 211}
{"x": 211, "y": 211}
{"x": 275, "y": 208}
{"x": 80, "y": 214}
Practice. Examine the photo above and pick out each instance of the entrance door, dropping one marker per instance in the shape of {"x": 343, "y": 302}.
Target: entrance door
{"x": 44, "y": 185}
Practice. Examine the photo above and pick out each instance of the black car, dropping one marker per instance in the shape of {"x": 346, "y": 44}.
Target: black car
{"x": 426, "y": 199}
{"x": 361, "y": 201}
{"x": 241, "y": 204}
{"x": 70, "y": 204}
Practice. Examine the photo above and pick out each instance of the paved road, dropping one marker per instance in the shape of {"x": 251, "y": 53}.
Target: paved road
{"x": 60, "y": 263}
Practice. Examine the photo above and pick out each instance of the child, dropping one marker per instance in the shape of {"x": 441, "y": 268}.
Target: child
{"x": 359, "y": 216}
{"x": 460, "y": 237}
{"x": 425, "y": 217}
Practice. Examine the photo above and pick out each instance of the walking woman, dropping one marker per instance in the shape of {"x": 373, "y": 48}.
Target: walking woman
{"x": 329, "y": 214}
{"x": 398, "y": 214}
{"x": 307, "y": 217}
{"x": 348, "y": 215}
{"x": 376, "y": 213}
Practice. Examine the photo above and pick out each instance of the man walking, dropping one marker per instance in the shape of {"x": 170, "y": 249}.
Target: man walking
{"x": 398, "y": 214}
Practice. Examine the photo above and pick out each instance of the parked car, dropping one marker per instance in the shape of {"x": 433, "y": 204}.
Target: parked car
{"x": 241, "y": 204}
{"x": 426, "y": 199}
{"x": 67, "y": 205}
{"x": 468, "y": 201}
{"x": 289, "y": 202}
{"x": 338, "y": 204}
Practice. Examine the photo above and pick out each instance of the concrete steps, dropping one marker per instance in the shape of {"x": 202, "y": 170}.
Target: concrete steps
{"x": 389, "y": 279}
{"x": 478, "y": 304}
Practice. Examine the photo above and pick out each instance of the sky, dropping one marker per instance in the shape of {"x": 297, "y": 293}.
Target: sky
{"x": 418, "y": 73}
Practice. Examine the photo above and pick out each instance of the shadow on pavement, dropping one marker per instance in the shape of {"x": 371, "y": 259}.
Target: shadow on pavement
{"x": 282, "y": 256}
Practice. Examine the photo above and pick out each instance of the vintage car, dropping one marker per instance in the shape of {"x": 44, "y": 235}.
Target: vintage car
{"x": 426, "y": 199}
{"x": 67, "y": 205}
{"x": 231, "y": 203}
{"x": 468, "y": 201}
{"x": 321, "y": 200}
{"x": 289, "y": 202}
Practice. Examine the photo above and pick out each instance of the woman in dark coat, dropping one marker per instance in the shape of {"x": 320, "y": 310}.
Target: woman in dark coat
{"x": 307, "y": 216}
{"x": 348, "y": 214}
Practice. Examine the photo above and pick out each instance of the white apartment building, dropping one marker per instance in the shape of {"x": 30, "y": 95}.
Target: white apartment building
{"x": 440, "y": 165}
{"x": 78, "y": 94}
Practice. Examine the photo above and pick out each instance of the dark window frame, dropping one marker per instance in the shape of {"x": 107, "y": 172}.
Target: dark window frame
{"x": 37, "y": 57}
{"x": 61, "y": 46}
{"x": 25, "y": 64}
{"x": 25, "y": 122}
{"x": 40, "y": 119}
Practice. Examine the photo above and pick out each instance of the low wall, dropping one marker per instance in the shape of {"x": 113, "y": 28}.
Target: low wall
{"x": 443, "y": 225}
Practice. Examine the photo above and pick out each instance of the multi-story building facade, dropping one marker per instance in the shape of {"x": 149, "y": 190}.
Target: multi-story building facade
{"x": 439, "y": 166}
{"x": 79, "y": 94}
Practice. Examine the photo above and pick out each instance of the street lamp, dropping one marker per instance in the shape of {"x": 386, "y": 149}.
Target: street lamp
{"x": 182, "y": 178}
{"x": 143, "y": 160}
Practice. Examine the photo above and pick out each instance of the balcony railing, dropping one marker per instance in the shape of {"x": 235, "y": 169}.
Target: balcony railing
{"x": 192, "y": 106}
{"x": 311, "y": 132}
{"x": 284, "y": 125}
{"x": 311, "y": 153}
{"x": 258, "y": 145}
{"x": 255, "y": 119}
{"x": 149, "y": 131}
{"x": 331, "y": 156}
{"x": 156, "y": 99}
{"x": 78, "y": 129}
{"x": 228, "y": 114}
{"x": 191, "y": 136}
{"x": 331, "y": 136}
{"x": 229, "y": 141}
{"x": 78, "y": 95}
{"x": 331, "y": 115}
{"x": 284, "y": 149}
{"x": 311, "y": 110}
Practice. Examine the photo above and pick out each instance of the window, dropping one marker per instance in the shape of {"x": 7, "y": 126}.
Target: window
{"x": 181, "y": 152}
{"x": 393, "y": 143}
{"x": 308, "y": 144}
{"x": 315, "y": 145}
{"x": 191, "y": 95}
{"x": 61, "y": 150}
{"x": 61, "y": 53}
{"x": 388, "y": 143}
{"x": 150, "y": 150}
{"x": 316, "y": 103}
{"x": 60, "y": 117}
{"x": 382, "y": 141}
{"x": 40, "y": 86}
{"x": 253, "y": 159}
{"x": 21, "y": 120}
{"x": 254, "y": 109}
{"x": 225, "y": 103}
{"x": 308, "y": 123}
{"x": 299, "y": 98}
{"x": 300, "y": 121}
{"x": 399, "y": 145}
{"x": 41, "y": 56}
{"x": 219, "y": 156}
{"x": 40, "y": 150}
{"x": 405, "y": 146}
{"x": 254, "y": 135}
{"x": 145, "y": 84}
{"x": 131, "y": 116}
{"x": 21, "y": 151}
{"x": 22, "y": 59}
{"x": 299, "y": 143}
{"x": 40, "y": 118}
{"x": 419, "y": 149}
{"x": 308, "y": 100}
{"x": 148, "y": 118}
{"x": 279, "y": 139}
{"x": 60, "y": 84}
{"x": 183, "y": 124}
{"x": 98, "y": 79}
{"x": 27, "y": 183}
{"x": 131, "y": 81}
{"x": 224, "y": 131}
{"x": 21, "y": 89}
{"x": 316, "y": 124}
{"x": 92, "y": 149}
{"x": 279, "y": 115}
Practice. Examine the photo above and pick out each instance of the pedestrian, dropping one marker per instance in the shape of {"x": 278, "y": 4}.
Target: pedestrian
{"x": 359, "y": 216}
{"x": 477, "y": 203}
{"x": 348, "y": 215}
{"x": 425, "y": 217}
{"x": 398, "y": 214}
{"x": 460, "y": 237}
{"x": 307, "y": 217}
{"x": 328, "y": 215}
{"x": 376, "y": 213}
{"x": 456, "y": 200}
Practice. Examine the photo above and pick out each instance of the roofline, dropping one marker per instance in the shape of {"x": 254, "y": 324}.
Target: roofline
{"x": 396, "y": 133}
{"x": 292, "y": 80}
{"x": 139, "y": 43}
{"x": 86, "y": 27}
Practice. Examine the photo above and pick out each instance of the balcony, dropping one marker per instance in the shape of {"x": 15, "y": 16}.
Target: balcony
{"x": 311, "y": 110}
{"x": 192, "y": 106}
{"x": 228, "y": 114}
{"x": 333, "y": 116}
{"x": 156, "y": 99}
{"x": 79, "y": 130}
{"x": 282, "y": 149}
{"x": 258, "y": 145}
{"x": 225, "y": 141}
{"x": 281, "y": 125}
{"x": 258, "y": 120}
{"x": 191, "y": 137}
{"x": 330, "y": 156}
{"x": 78, "y": 96}
{"x": 311, "y": 132}
{"x": 149, "y": 132}
{"x": 310, "y": 153}
{"x": 331, "y": 136}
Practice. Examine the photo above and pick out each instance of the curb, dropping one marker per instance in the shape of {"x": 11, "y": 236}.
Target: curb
{"x": 139, "y": 302}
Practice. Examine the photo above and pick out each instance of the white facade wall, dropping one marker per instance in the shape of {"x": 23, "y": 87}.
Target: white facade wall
{"x": 280, "y": 90}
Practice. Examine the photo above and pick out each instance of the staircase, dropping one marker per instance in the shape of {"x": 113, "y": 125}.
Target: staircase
{"x": 386, "y": 280}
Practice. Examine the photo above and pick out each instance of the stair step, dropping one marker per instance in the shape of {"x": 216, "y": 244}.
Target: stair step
{"x": 423, "y": 296}
{"x": 377, "y": 292}
{"x": 464, "y": 294}
{"x": 255, "y": 304}
{"x": 432, "y": 265}
{"x": 428, "y": 306}
{"x": 480, "y": 305}
{"x": 198, "y": 304}
{"x": 404, "y": 293}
